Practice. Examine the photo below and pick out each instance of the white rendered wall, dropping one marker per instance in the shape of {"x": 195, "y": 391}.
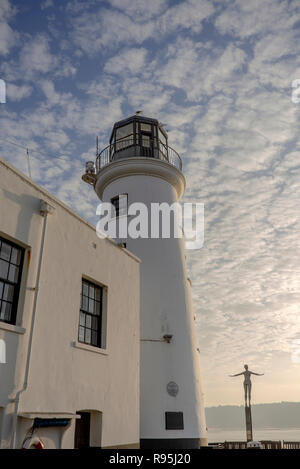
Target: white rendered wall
{"x": 64, "y": 376}
{"x": 166, "y": 308}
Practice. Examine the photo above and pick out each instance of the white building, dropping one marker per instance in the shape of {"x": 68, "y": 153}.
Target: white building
{"x": 69, "y": 326}
{"x": 139, "y": 167}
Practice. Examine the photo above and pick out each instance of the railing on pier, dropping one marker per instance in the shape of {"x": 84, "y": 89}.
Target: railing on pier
{"x": 128, "y": 148}
{"x": 291, "y": 444}
{"x": 266, "y": 444}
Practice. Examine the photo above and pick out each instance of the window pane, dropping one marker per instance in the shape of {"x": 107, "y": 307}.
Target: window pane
{"x": 97, "y": 308}
{"x": 124, "y": 143}
{"x": 145, "y": 141}
{"x": 88, "y": 321}
{"x": 5, "y": 311}
{"x": 82, "y": 319}
{"x": 5, "y": 251}
{"x": 162, "y": 138}
{"x": 94, "y": 322}
{"x": 1, "y": 289}
{"x": 94, "y": 338}
{"x": 125, "y": 131}
{"x": 88, "y": 336}
{"x": 91, "y": 306}
{"x": 92, "y": 292}
{"x": 115, "y": 202}
{"x": 13, "y": 273}
{"x": 146, "y": 127}
{"x": 123, "y": 204}
{"x": 163, "y": 149}
{"x": 85, "y": 289}
{"x": 84, "y": 303}
{"x": 15, "y": 256}
{"x": 97, "y": 294}
{"x": 81, "y": 334}
{"x": 3, "y": 269}
{"x": 8, "y": 293}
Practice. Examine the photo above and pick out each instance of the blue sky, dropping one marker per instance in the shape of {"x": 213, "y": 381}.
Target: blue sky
{"x": 219, "y": 74}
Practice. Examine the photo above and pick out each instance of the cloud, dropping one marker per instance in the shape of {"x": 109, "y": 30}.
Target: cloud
{"x": 47, "y": 4}
{"x": 140, "y": 10}
{"x": 37, "y": 59}
{"x": 245, "y": 19}
{"x": 16, "y": 93}
{"x": 92, "y": 31}
{"x": 201, "y": 70}
{"x": 8, "y": 37}
{"x": 127, "y": 60}
{"x": 35, "y": 56}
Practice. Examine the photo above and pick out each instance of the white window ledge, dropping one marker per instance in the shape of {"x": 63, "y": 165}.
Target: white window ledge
{"x": 11, "y": 328}
{"x": 89, "y": 348}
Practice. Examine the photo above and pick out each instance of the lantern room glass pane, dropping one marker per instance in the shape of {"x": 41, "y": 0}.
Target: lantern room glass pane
{"x": 162, "y": 138}
{"x": 146, "y": 141}
{"x": 124, "y": 132}
{"x": 146, "y": 127}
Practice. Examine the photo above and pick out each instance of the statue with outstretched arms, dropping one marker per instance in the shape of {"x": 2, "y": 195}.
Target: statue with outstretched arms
{"x": 247, "y": 381}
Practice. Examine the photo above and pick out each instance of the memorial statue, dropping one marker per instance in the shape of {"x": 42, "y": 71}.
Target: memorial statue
{"x": 247, "y": 382}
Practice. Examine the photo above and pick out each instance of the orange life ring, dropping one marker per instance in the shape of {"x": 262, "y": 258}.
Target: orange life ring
{"x": 33, "y": 443}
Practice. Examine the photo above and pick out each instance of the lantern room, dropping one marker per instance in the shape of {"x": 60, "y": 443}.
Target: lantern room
{"x": 134, "y": 137}
{"x": 139, "y": 136}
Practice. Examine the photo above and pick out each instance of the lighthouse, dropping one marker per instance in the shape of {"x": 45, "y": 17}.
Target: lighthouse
{"x": 139, "y": 166}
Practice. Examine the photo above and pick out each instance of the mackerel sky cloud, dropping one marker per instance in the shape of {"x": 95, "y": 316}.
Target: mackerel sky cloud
{"x": 219, "y": 75}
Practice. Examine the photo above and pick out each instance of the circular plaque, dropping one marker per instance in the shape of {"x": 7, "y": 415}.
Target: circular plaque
{"x": 172, "y": 388}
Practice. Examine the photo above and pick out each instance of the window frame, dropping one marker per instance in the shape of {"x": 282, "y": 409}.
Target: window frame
{"x": 16, "y": 285}
{"x": 117, "y": 209}
{"x": 100, "y": 325}
{"x": 128, "y": 140}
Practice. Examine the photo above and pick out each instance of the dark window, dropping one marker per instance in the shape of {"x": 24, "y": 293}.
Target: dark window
{"x": 174, "y": 420}
{"x": 124, "y": 132}
{"x": 146, "y": 127}
{"x": 90, "y": 320}
{"x": 146, "y": 139}
{"x": 82, "y": 430}
{"x": 11, "y": 264}
{"x": 120, "y": 204}
{"x": 124, "y": 136}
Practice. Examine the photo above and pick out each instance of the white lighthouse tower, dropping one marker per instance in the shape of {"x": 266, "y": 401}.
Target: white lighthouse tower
{"x": 139, "y": 166}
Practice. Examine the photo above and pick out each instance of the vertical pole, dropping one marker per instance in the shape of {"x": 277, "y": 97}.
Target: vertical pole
{"x": 249, "y": 433}
{"x": 28, "y": 163}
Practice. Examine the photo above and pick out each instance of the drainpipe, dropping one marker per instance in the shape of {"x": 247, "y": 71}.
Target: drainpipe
{"x": 45, "y": 210}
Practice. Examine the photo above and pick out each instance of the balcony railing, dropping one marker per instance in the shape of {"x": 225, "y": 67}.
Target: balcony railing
{"x": 129, "y": 148}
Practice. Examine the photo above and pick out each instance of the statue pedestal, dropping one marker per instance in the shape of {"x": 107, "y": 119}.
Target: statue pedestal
{"x": 249, "y": 433}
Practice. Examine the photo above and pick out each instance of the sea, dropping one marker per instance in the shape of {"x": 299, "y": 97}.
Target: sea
{"x": 219, "y": 435}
